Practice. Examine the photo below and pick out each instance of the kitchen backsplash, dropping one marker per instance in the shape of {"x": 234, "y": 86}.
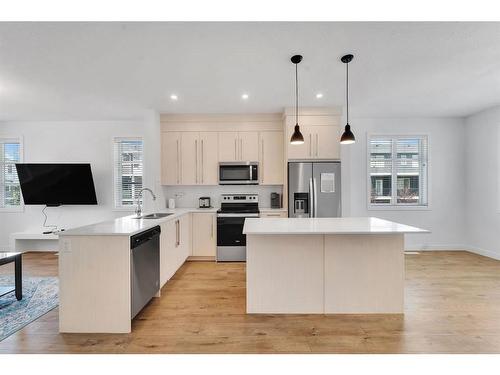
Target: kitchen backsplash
{"x": 187, "y": 196}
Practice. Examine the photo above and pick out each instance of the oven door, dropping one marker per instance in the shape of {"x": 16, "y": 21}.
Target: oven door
{"x": 231, "y": 242}
{"x": 230, "y": 231}
{"x": 238, "y": 174}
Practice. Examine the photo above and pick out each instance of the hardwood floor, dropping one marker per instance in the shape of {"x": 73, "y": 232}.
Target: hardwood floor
{"x": 452, "y": 306}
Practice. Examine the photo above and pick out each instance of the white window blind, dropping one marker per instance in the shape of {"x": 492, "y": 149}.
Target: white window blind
{"x": 128, "y": 170}
{"x": 397, "y": 170}
{"x": 10, "y": 191}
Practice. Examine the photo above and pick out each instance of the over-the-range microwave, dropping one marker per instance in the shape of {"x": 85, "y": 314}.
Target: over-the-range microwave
{"x": 239, "y": 173}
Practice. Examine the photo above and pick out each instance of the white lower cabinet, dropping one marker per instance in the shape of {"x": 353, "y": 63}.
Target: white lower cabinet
{"x": 175, "y": 246}
{"x": 204, "y": 234}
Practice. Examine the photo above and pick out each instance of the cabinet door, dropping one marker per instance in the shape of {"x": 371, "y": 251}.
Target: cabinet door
{"x": 204, "y": 243}
{"x": 184, "y": 248}
{"x": 303, "y": 151}
{"x": 228, "y": 146}
{"x": 271, "y": 158}
{"x": 273, "y": 214}
{"x": 248, "y": 146}
{"x": 189, "y": 158}
{"x": 170, "y": 158}
{"x": 209, "y": 159}
{"x": 167, "y": 251}
{"x": 326, "y": 142}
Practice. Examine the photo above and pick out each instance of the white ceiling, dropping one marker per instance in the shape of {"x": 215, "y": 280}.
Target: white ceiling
{"x": 116, "y": 70}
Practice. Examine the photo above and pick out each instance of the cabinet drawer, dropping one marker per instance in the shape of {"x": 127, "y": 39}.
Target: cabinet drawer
{"x": 273, "y": 214}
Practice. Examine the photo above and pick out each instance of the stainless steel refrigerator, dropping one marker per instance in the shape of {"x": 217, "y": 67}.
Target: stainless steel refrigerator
{"x": 314, "y": 189}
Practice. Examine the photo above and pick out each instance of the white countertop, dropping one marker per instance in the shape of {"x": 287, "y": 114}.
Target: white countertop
{"x": 334, "y": 225}
{"x": 129, "y": 225}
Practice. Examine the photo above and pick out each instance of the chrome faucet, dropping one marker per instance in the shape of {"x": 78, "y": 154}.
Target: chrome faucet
{"x": 138, "y": 210}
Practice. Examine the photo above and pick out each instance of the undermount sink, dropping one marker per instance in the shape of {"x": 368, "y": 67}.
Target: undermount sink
{"x": 157, "y": 215}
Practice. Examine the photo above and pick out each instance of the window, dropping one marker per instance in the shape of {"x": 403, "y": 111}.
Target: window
{"x": 10, "y": 190}
{"x": 128, "y": 170}
{"x": 397, "y": 171}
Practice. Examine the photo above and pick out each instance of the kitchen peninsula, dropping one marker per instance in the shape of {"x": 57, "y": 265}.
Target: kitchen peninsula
{"x": 97, "y": 268}
{"x": 325, "y": 265}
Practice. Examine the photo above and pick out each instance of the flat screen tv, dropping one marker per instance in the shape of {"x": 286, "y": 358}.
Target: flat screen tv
{"x": 56, "y": 184}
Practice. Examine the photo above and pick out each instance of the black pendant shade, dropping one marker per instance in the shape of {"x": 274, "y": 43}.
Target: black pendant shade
{"x": 348, "y": 136}
{"x": 297, "y": 137}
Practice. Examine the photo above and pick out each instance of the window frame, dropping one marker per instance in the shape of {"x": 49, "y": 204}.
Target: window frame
{"x": 400, "y": 206}
{"x": 18, "y": 138}
{"x": 114, "y": 140}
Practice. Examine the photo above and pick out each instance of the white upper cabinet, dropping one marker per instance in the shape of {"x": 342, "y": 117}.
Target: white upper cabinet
{"x": 189, "y": 158}
{"x": 170, "y": 158}
{"x": 249, "y": 146}
{"x": 239, "y": 146}
{"x": 304, "y": 150}
{"x": 209, "y": 158}
{"x": 228, "y": 146}
{"x": 271, "y": 158}
{"x": 326, "y": 142}
{"x": 320, "y": 128}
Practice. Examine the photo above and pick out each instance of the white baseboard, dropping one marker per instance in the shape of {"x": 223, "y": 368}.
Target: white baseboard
{"x": 472, "y": 249}
{"x": 484, "y": 252}
{"x": 431, "y": 247}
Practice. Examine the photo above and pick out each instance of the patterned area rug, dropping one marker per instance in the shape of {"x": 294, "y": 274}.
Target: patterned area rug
{"x": 40, "y": 295}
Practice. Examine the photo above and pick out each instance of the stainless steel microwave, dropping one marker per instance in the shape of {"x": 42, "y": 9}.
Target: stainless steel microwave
{"x": 239, "y": 173}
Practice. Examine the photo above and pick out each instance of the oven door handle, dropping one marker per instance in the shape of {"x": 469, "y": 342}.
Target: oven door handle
{"x": 237, "y": 215}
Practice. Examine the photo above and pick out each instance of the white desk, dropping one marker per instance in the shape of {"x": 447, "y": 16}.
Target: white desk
{"x": 26, "y": 241}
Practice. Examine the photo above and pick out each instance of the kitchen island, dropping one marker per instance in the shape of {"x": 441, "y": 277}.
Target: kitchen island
{"x": 325, "y": 265}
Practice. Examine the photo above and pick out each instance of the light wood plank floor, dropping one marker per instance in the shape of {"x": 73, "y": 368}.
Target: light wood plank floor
{"x": 452, "y": 306}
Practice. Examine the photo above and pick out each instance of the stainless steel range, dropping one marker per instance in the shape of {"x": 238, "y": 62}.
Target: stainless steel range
{"x": 231, "y": 242}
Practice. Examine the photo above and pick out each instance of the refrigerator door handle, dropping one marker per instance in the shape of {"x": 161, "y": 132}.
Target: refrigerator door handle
{"x": 315, "y": 197}
{"x": 311, "y": 198}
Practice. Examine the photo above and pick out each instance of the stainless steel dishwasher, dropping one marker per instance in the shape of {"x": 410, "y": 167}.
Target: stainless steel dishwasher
{"x": 144, "y": 267}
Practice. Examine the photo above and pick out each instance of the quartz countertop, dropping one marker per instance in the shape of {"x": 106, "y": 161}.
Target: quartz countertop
{"x": 129, "y": 225}
{"x": 333, "y": 225}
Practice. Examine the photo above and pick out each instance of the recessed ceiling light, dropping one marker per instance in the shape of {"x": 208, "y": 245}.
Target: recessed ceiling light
{"x": 319, "y": 95}
{"x": 174, "y": 97}
{"x": 244, "y": 96}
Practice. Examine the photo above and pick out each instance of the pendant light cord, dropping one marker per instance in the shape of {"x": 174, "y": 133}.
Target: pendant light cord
{"x": 347, "y": 91}
{"x": 296, "y": 96}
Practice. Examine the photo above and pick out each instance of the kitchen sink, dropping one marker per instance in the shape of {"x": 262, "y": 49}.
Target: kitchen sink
{"x": 157, "y": 215}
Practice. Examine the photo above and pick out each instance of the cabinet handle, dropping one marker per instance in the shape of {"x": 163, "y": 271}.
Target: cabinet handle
{"x": 241, "y": 149}
{"x": 196, "y": 160}
{"x": 316, "y": 144}
{"x": 202, "y": 157}
{"x": 212, "y": 229}
{"x": 310, "y": 145}
{"x": 178, "y": 162}
{"x": 262, "y": 166}
{"x": 235, "y": 146}
{"x": 177, "y": 233}
{"x": 277, "y": 215}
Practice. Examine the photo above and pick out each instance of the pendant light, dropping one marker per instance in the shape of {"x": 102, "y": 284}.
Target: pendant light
{"x": 297, "y": 137}
{"x": 348, "y": 137}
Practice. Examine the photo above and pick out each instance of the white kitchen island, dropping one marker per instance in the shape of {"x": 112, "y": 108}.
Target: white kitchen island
{"x": 325, "y": 265}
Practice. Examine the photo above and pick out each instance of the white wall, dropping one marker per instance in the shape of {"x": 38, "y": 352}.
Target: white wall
{"x": 80, "y": 141}
{"x": 446, "y": 216}
{"x": 482, "y": 181}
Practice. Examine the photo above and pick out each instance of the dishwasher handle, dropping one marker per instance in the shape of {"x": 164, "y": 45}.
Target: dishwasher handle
{"x": 140, "y": 238}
